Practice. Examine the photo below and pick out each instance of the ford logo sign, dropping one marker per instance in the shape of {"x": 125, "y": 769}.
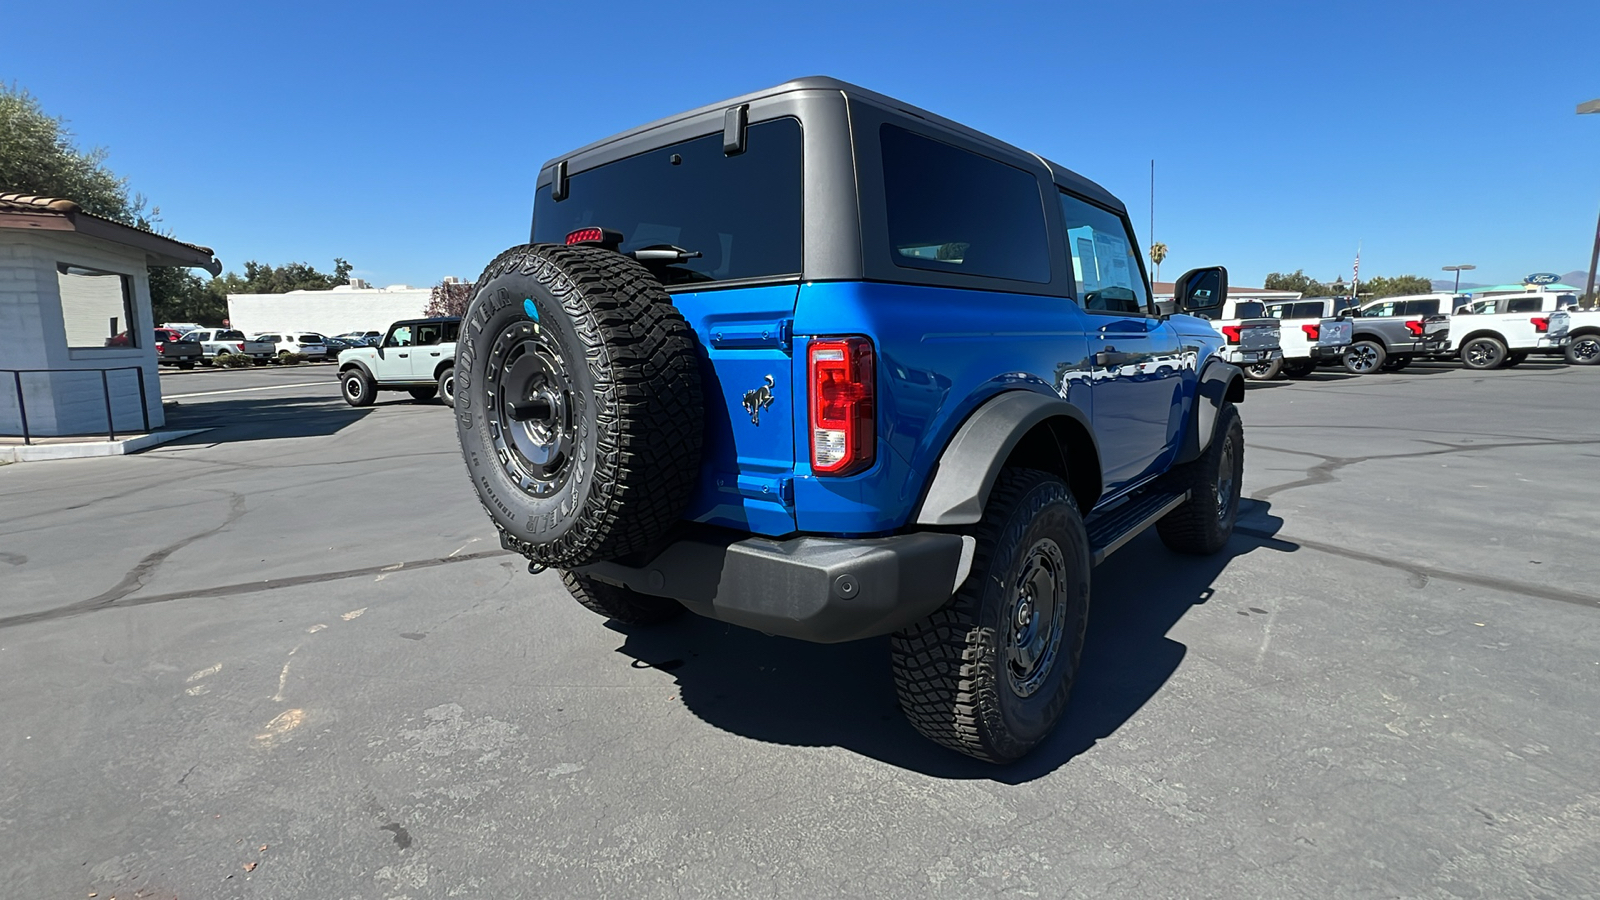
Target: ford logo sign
{"x": 1541, "y": 278}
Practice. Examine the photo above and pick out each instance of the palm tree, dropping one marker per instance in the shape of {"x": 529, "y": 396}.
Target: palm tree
{"x": 1158, "y": 253}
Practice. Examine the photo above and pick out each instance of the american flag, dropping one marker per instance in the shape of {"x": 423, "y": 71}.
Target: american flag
{"x": 1355, "y": 277}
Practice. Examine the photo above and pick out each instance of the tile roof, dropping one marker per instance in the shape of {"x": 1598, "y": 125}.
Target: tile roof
{"x": 164, "y": 250}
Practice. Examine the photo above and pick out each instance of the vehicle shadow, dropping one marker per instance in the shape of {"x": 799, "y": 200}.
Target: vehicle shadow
{"x": 790, "y": 692}
{"x": 260, "y": 419}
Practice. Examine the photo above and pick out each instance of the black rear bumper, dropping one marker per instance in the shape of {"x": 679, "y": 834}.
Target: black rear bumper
{"x": 818, "y": 589}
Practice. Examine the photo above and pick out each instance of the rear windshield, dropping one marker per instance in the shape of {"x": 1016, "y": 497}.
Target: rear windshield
{"x": 1249, "y": 310}
{"x": 310, "y": 338}
{"x": 741, "y": 213}
{"x": 228, "y": 336}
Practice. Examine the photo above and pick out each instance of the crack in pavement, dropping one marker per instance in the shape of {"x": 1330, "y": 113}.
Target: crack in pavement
{"x": 228, "y": 590}
{"x": 1324, "y": 472}
{"x": 1506, "y": 585}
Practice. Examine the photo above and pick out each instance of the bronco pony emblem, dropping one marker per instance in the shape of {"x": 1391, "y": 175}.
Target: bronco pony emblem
{"x": 757, "y": 400}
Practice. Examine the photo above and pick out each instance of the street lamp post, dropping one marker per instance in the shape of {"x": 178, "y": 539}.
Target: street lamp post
{"x": 1458, "y": 270}
{"x": 1593, "y": 106}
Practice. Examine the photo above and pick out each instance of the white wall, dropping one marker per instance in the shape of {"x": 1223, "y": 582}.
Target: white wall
{"x": 326, "y": 312}
{"x": 33, "y": 335}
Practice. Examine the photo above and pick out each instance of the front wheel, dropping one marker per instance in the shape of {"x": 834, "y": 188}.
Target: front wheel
{"x": 357, "y": 388}
{"x": 1483, "y": 353}
{"x": 1203, "y": 524}
{"x": 1584, "y": 350}
{"x": 1264, "y": 371}
{"x": 1364, "y": 357}
{"x": 989, "y": 673}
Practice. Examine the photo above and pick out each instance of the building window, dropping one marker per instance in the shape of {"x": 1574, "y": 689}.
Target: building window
{"x": 97, "y": 307}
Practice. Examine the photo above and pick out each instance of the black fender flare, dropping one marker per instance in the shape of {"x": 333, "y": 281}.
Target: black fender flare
{"x": 956, "y": 493}
{"x": 357, "y": 364}
{"x": 442, "y": 366}
{"x": 1220, "y": 383}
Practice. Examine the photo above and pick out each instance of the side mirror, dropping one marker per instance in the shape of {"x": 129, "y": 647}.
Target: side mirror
{"x": 1200, "y": 290}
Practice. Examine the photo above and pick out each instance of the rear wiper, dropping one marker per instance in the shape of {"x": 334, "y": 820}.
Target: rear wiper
{"x": 664, "y": 253}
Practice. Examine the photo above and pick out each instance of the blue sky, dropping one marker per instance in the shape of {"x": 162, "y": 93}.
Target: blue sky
{"x": 406, "y": 137}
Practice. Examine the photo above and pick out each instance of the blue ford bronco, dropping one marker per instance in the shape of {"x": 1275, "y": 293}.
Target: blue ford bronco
{"x": 819, "y": 363}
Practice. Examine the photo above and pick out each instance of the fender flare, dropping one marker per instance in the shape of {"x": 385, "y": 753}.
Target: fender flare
{"x": 446, "y": 364}
{"x": 1220, "y": 383}
{"x": 357, "y": 364}
{"x": 983, "y": 443}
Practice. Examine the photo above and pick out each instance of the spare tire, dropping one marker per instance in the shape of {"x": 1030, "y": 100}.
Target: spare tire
{"x": 578, "y": 403}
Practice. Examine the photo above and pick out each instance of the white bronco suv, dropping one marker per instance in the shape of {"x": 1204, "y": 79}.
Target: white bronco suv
{"x": 417, "y": 356}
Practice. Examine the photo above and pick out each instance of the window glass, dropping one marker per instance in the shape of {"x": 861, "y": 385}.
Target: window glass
{"x": 1419, "y": 308}
{"x": 1248, "y": 309}
{"x": 97, "y": 307}
{"x": 955, "y": 211}
{"x": 310, "y": 338}
{"x": 452, "y": 330}
{"x": 428, "y": 333}
{"x": 1379, "y": 311}
{"x": 1525, "y": 304}
{"x": 1308, "y": 310}
{"x": 399, "y": 337}
{"x": 1104, "y": 269}
{"x": 740, "y": 213}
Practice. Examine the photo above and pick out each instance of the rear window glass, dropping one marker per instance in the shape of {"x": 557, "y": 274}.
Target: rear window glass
{"x": 229, "y": 336}
{"x": 310, "y": 338}
{"x": 954, "y": 211}
{"x": 740, "y": 213}
{"x": 1419, "y": 307}
{"x": 1249, "y": 310}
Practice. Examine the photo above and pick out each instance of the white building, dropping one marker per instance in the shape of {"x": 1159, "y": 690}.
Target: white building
{"x": 346, "y": 308}
{"x": 77, "y": 341}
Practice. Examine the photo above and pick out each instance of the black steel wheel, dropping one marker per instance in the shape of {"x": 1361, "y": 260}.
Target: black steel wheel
{"x": 357, "y": 388}
{"x": 989, "y": 674}
{"x": 1203, "y": 524}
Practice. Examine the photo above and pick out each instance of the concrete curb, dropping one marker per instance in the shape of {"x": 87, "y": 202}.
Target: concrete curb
{"x": 89, "y": 449}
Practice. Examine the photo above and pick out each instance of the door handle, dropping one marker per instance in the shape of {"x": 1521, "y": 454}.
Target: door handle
{"x": 402, "y": 355}
{"x": 433, "y": 354}
{"x": 1114, "y": 358}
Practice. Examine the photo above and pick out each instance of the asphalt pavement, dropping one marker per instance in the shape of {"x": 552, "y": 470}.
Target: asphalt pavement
{"x": 284, "y": 657}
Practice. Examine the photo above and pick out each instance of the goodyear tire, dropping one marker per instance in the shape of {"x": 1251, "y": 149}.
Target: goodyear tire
{"x": 578, "y": 403}
{"x": 989, "y": 673}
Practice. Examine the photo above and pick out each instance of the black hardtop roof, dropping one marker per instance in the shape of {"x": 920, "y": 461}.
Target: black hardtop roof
{"x": 425, "y": 320}
{"x": 1061, "y": 174}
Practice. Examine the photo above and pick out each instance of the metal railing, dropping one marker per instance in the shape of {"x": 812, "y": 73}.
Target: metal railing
{"x": 105, "y": 393}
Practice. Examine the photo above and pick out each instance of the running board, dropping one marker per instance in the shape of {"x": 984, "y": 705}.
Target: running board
{"x": 1110, "y": 529}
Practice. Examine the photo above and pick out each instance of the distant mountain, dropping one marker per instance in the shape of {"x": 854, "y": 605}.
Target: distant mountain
{"x": 1577, "y": 278}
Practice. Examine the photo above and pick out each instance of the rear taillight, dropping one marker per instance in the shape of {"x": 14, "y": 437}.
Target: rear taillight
{"x": 1231, "y": 332}
{"x": 1313, "y": 332}
{"x": 1541, "y": 324}
{"x": 842, "y": 405}
{"x": 584, "y": 235}
{"x": 239, "y": 347}
{"x": 1415, "y": 328}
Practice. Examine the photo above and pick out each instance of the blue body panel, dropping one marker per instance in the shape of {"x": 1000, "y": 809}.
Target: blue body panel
{"x": 941, "y": 353}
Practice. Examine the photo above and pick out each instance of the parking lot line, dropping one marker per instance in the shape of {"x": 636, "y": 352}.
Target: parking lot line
{"x": 270, "y": 387}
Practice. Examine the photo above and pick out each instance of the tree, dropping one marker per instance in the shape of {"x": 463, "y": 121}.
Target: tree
{"x": 1398, "y": 286}
{"x": 38, "y": 156}
{"x": 1158, "y": 255}
{"x": 1299, "y": 281}
{"x": 448, "y": 298}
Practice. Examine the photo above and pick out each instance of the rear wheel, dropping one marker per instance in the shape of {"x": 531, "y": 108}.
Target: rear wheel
{"x": 447, "y": 386}
{"x": 357, "y": 388}
{"x": 1584, "y": 350}
{"x": 619, "y": 604}
{"x": 1364, "y": 357}
{"x": 1264, "y": 371}
{"x": 1483, "y": 353}
{"x": 1396, "y": 363}
{"x": 989, "y": 674}
{"x": 1203, "y": 524}
{"x": 186, "y": 365}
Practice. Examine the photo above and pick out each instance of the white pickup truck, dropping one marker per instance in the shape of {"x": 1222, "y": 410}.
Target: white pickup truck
{"x": 1311, "y": 333}
{"x": 1253, "y": 338}
{"x": 220, "y": 343}
{"x": 1583, "y": 336}
{"x": 1504, "y": 330}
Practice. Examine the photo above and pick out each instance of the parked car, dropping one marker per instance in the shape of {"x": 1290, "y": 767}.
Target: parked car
{"x": 220, "y": 343}
{"x": 1391, "y": 332}
{"x": 339, "y": 345}
{"x": 1583, "y": 336}
{"x": 305, "y": 343}
{"x": 1505, "y": 330}
{"x": 174, "y": 349}
{"x": 1311, "y": 333}
{"x": 417, "y": 356}
{"x": 687, "y": 392}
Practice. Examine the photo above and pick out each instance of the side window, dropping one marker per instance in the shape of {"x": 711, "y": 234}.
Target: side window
{"x": 428, "y": 334}
{"x": 1105, "y": 269}
{"x": 1309, "y": 311}
{"x": 1380, "y": 311}
{"x": 1280, "y": 311}
{"x": 452, "y": 330}
{"x": 1420, "y": 307}
{"x": 400, "y": 336}
{"x": 1525, "y": 304}
{"x": 955, "y": 211}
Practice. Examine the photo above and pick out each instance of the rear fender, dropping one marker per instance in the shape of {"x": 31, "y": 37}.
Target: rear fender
{"x": 1221, "y": 383}
{"x": 981, "y": 447}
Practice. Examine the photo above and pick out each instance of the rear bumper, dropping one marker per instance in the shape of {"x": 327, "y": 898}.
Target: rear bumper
{"x": 817, "y": 589}
{"x": 1250, "y": 357}
{"x": 1328, "y": 353}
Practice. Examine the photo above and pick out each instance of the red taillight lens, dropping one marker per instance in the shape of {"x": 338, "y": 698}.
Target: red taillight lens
{"x": 586, "y": 235}
{"x": 1415, "y": 328}
{"x": 239, "y": 347}
{"x": 1541, "y": 324}
{"x": 1313, "y": 332}
{"x": 842, "y": 404}
{"x": 1231, "y": 332}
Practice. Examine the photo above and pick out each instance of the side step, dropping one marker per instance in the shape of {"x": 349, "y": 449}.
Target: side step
{"x": 1111, "y": 528}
